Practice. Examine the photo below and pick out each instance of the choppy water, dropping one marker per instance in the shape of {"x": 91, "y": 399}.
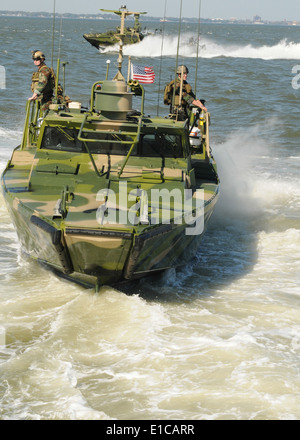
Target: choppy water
{"x": 217, "y": 340}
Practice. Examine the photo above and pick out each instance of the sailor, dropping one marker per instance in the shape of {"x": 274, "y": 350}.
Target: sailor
{"x": 43, "y": 81}
{"x": 188, "y": 98}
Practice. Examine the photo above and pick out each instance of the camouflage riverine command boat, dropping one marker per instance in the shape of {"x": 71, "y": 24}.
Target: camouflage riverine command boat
{"x": 109, "y": 194}
{"x": 128, "y": 35}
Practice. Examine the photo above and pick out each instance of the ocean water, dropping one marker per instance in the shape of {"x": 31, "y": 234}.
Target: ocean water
{"x": 219, "y": 339}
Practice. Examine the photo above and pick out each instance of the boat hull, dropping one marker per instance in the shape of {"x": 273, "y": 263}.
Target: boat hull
{"x": 94, "y": 257}
{"x": 103, "y": 40}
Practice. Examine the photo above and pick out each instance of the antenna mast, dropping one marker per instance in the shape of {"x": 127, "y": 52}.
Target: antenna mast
{"x": 198, "y": 41}
{"x": 119, "y": 76}
{"x": 53, "y": 29}
{"x": 123, "y": 13}
{"x": 179, "y": 30}
{"x": 161, "y": 55}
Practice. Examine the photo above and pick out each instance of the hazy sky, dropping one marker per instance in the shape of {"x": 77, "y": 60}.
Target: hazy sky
{"x": 267, "y": 9}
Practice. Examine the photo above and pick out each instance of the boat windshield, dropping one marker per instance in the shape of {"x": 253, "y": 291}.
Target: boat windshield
{"x": 162, "y": 145}
{"x": 66, "y": 139}
{"x": 150, "y": 145}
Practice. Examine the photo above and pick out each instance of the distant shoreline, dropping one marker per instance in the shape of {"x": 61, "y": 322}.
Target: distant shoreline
{"x": 145, "y": 18}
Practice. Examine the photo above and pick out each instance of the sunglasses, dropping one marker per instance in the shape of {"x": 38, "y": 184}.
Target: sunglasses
{"x": 36, "y": 59}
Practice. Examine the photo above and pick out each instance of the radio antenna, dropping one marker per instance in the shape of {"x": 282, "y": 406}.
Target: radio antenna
{"x": 198, "y": 42}
{"x": 60, "y": 37}
{"x": 179, "y": 31}
{"x": 53, "y": 30}
{"x": 161, "y": 55}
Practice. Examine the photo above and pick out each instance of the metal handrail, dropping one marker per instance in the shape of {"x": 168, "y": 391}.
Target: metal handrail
{"x": 136, "y": 139}
{"x": 26, "y": 126}
{"x": 93, "y": 94}
{"x": 132, "y": 146}
{"x": 82, "y": 130}
{"x": 124, "y": 133}
{"x": 31, "y": 118}
{"x": 207, "y": 116}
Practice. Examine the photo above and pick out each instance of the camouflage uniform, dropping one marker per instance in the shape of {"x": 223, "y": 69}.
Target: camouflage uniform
{"x": 187, "y": 96}
{"x": 43, "y": 84}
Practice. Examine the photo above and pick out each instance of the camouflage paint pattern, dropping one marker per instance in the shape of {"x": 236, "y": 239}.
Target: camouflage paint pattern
{"x": 112, "y": 37}
{"x": 52, "y": 194}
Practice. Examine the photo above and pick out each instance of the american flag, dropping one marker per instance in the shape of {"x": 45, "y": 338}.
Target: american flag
{"x": 144, "y": 75}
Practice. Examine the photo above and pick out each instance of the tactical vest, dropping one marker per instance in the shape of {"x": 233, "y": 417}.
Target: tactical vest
{"x": 51, "y": 80}
{"x": 168, "y": 93}
{"x": 34, "y": 80}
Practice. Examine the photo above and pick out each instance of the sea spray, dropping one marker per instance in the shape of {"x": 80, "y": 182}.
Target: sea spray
{"x": 209, "y": 48}
{"x": 236, "y": 158}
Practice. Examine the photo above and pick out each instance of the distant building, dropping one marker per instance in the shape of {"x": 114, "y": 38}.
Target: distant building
{"x": 257, "y": 19}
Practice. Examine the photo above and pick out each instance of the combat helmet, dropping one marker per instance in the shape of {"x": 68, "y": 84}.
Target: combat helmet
{"x": 182, "y": 69}
{"x": 38, "y": 54}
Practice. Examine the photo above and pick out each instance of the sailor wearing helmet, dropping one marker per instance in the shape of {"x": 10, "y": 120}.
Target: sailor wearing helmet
{"x": 43, "y": 81}
{"x": 188, "y": 98}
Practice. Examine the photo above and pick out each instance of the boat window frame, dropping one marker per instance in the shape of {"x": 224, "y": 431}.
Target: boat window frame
{"x": 161, "y": 134}
{"x": 137, "y": 151}
{"x": 114, "y": 152}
